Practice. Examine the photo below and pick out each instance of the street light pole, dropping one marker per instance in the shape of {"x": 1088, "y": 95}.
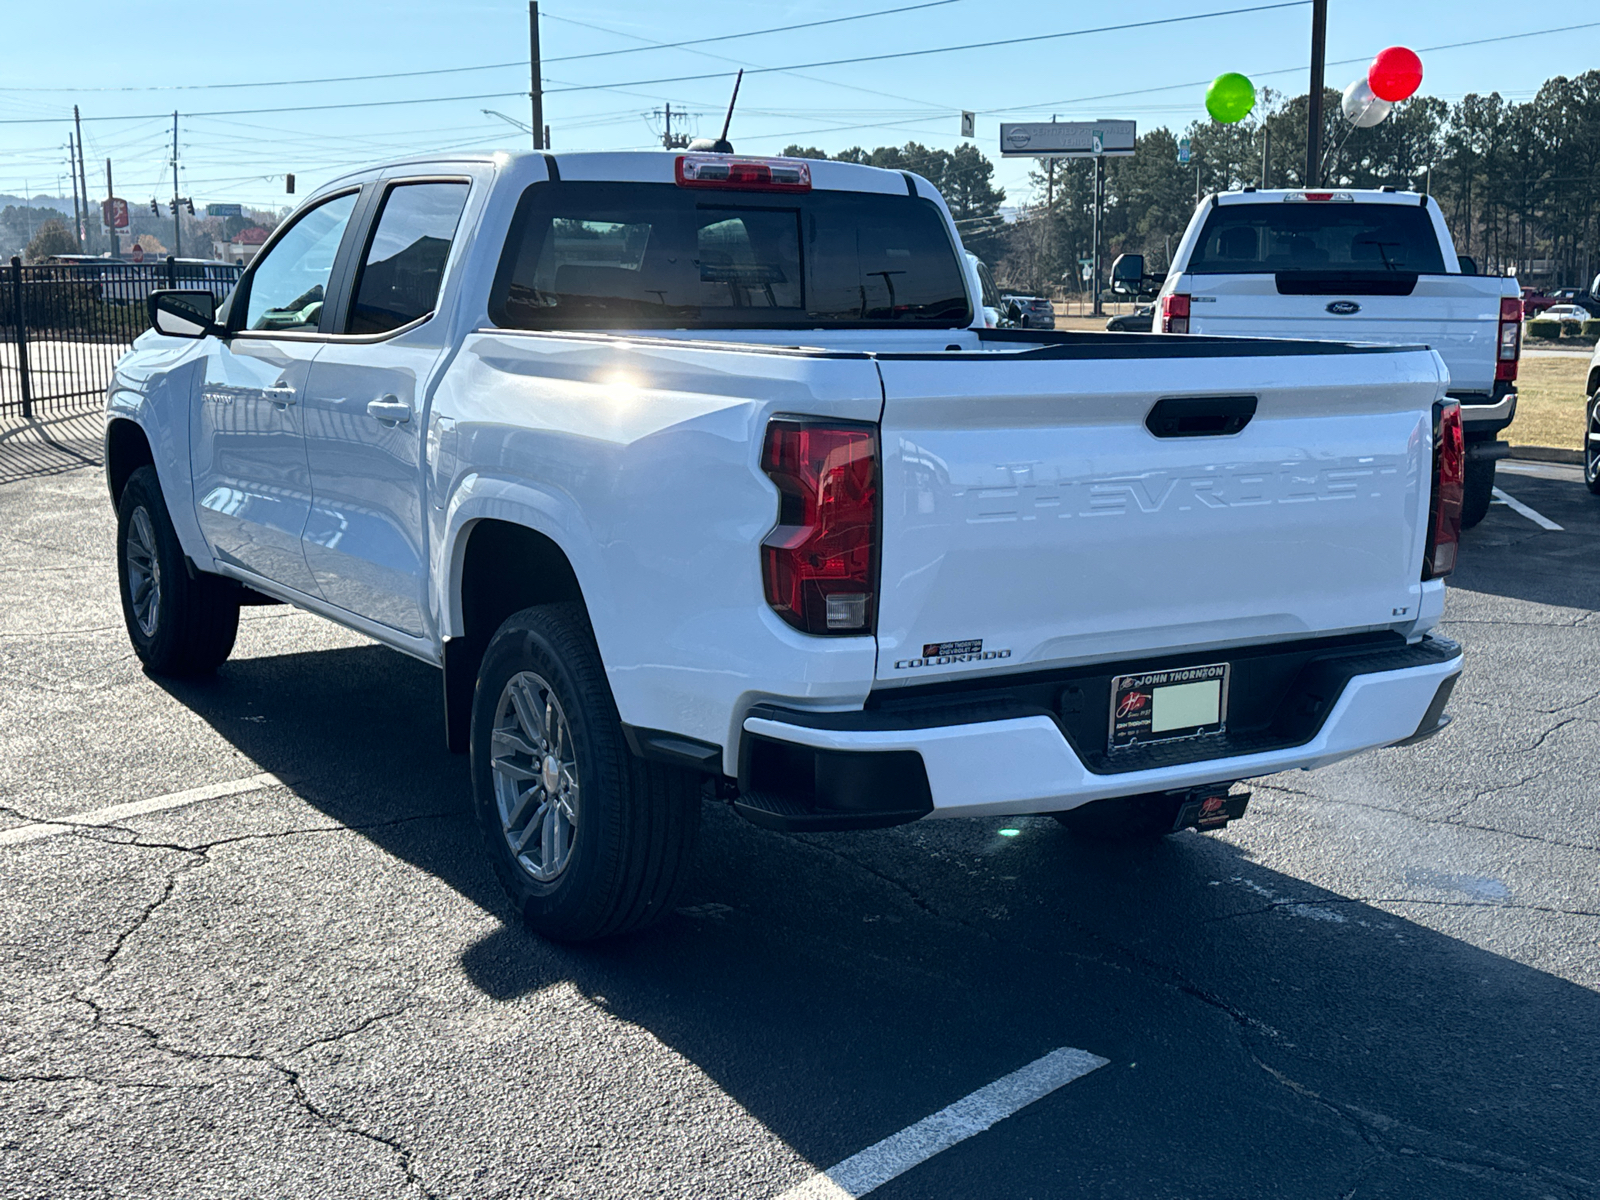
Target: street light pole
{"x": 535, "y": 67}
{"x": 1319, "y": 52}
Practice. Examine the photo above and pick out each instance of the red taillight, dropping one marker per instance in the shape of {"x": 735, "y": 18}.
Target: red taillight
{"x": 1175, "y": 313}
{"x": 744, "y": 174}
{"x": 1449, "y": 485}
{"x": 820, "y": 562}
{"x": 1510, "y": 346}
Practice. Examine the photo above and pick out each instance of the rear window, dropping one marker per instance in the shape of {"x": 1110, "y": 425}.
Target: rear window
{"x": 613, "y": 255}
{"x": 1245, "y": 239}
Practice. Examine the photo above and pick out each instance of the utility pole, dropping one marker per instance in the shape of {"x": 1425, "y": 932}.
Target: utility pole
{"x": 177, "y": 227}
{"x": 77, "y": 220}
{"x": 83, "y": 184}
{"x": 1099, "y": 203}
{"x": 111, "y": 229}
{"x": 1266, "y": 157}
{"x": 534, "y": 66}
{"x": 1319, "y": 51}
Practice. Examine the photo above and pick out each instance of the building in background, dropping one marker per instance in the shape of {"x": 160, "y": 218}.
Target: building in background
{"x": 246, "y": 244}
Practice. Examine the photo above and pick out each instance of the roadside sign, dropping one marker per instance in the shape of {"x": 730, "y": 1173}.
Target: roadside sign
{"x": 1067, "y": 139}
{"x": 1183, "y": 150}
{"x": 224, "y": 210}
{"x": 114, "y": 213}
{"x": 969, "y": 124}
{"x": 136, "y": 253}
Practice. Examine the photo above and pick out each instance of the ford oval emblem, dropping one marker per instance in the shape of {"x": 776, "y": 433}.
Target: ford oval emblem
{"x": 1344, "y": 308}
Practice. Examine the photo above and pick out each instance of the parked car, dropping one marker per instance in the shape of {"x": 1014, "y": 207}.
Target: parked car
{"x": 1534, "y": 302}
{"x": 1138, "y": 321}
{"x": 1030, "y": 312}
{"x": 683, "y": 504}
{"x": 1565, "y": 313}
{"x": 1368, "y": 266}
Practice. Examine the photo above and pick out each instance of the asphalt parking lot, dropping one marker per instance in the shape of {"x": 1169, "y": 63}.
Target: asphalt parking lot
{"x": 280, "y": 968}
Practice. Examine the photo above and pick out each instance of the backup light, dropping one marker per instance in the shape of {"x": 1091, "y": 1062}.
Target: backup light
{"x": 744, "y": 174}
{"x": 819, "y": 563}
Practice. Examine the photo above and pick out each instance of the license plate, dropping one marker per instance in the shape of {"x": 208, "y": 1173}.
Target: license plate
{"x": 1165, "y": 706}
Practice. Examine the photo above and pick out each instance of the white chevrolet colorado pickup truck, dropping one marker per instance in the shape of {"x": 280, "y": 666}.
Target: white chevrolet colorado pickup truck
{"x": 1358, "y": 266}
{"x": 694, "y": 476}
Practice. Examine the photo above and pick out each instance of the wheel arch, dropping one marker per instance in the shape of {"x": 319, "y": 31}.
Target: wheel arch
{"x": 127, "y": 449}
{"x": 498, "y": 566}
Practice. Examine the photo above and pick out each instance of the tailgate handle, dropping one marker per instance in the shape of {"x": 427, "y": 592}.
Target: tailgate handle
{"x": 1200, "y": 416}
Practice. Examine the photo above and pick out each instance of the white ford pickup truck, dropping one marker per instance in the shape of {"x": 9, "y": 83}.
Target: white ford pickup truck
{"x": 697, "y": 475}
{"x": 1360, "y": 266}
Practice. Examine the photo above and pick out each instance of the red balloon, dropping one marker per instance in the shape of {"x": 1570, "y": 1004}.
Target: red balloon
{"x": 1395, "y": 74}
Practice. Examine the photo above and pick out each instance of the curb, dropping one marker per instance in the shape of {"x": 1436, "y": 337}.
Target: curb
{"x": 1547, "y": 454}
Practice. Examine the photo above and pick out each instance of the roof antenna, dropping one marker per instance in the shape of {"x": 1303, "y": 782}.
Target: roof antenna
{"x": 722, "y": 145}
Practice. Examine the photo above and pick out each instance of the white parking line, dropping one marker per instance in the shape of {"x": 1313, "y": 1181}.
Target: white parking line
{"x": 972, "y": 1114}
{"x": 1517, "y": 506}
{"x": 136, "y": 808}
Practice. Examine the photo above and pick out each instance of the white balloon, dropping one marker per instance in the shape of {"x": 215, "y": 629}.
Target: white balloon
{"x": 1361, "y": 108}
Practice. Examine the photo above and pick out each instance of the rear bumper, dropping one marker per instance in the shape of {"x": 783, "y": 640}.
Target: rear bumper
{"x": 1481, "y": 414}
{"x": 1026, "y": 764}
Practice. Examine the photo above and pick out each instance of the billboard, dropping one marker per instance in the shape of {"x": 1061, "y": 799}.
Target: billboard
{"x": 1067, "y": 139}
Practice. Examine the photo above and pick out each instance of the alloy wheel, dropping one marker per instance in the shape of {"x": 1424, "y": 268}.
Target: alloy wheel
{"x": 144, "y": 572}
{"x": 535, "y": 772}
{"x": 1591, "y": 446}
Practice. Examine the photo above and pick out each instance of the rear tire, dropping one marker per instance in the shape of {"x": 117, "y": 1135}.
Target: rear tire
{"x": 179, "y": 623}
{"x": 1477, "y": 492}
{"x": 1591, "y": 445}
{"x": 1145, "y": 818}
{"x": 587, "y": 840}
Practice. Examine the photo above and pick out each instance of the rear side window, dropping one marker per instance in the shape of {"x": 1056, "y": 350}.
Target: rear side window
{"x": 608, "y": 255}
{"x": 1245, "y": 239}
{"x": 404, "y": 264}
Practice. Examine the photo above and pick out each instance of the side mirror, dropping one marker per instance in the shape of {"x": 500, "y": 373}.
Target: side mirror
{"x": 1469, "y": 265}
{"x": 1126, "y": 273}
{"x": 184, "y": 314}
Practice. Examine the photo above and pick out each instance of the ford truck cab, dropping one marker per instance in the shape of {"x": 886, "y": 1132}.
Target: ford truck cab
{"x": 1360, "y": 266}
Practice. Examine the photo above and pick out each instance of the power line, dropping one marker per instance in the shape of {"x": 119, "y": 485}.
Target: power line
{"x": 728, "y": 37}
{"x": 1017, "y": 41}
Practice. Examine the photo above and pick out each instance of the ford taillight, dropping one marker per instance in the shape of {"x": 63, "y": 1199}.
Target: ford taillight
{"x": 744, "y": 174}
{"x": 819, "y": 564}
{"x": 1175, "y": 313}
{"x": 1449, "y": 483}
{"x": 1510, "y": 344}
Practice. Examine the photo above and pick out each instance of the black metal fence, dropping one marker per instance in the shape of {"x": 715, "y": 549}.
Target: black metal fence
{"x": 63, "y": 327}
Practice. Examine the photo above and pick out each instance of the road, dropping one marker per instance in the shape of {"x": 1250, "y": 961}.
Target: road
{"x": 299, "y": 978}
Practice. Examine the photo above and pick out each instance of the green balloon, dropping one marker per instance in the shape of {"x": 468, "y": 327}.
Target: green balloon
{"x": 1230, "y": 98}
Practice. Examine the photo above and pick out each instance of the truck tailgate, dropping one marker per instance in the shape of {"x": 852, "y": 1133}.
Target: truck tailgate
{"x": 1030, "y": 518}
{"x": 1457, "y": 315}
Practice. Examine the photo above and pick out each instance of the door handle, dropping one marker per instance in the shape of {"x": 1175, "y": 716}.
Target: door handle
{"x": 391, "y": 410}
{"x": 280, "y": 395}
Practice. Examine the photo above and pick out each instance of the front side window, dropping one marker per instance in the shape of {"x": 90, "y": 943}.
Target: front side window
{"x": 404, "y": 265}
{"x": 1247, "y": 239}
{"x": 289, "y": 285}
{"x": 607, "y": 255}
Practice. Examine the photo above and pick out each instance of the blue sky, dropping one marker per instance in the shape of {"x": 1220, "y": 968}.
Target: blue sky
{"x": 135, "y": 63}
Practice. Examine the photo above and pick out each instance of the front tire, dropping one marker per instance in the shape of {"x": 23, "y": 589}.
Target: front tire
{"x": 1591, "y": 445}
{"x": 179, "y": 623}
{"x": 1146, "y": 818}
{"x": 587, "y": 840}
{"x": 1477, "y": 491}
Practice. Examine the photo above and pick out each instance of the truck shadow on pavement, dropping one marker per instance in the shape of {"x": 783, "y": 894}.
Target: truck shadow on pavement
{"x": 1265, "y": 1036}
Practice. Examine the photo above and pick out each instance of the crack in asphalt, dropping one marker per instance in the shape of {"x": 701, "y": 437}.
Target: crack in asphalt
{"x": 1398, "y": 1139}
{"x": 1291, "y": 902}
{"x": 1421, "y": 820}
{"x": 67, "y": 1077}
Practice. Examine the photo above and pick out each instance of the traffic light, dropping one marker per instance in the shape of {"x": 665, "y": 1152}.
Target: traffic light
{"x": 155, "y": 206}
{"x": 288, "y": 184}
{"x": 189, "y": 204}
